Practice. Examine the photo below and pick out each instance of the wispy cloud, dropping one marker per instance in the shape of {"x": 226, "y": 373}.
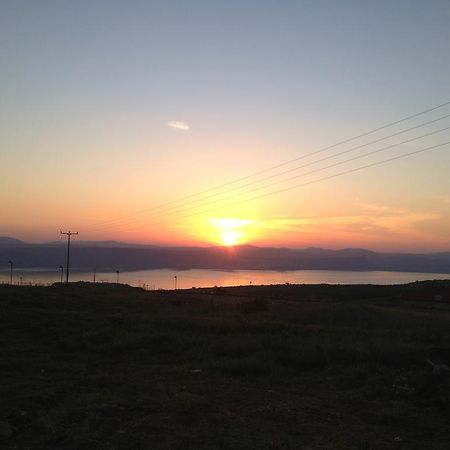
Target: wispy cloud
{"x": 369, "y": 220}
{"x": 178, "y": 125}
{"x": 445, "y": 199}
{"x": 380, "y": 210}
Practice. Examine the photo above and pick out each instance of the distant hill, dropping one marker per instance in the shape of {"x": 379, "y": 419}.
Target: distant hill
{"x": 112, "y": 255}
{"x": 108, "y": 244}
{"x": 9, "y": 242}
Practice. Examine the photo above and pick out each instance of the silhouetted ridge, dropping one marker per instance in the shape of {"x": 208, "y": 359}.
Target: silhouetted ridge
{"x": 112, "y": 255}
{"x": 9, "y": 242}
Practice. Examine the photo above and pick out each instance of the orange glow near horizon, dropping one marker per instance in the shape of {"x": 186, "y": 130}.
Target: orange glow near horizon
{"x": 336, "y": 221}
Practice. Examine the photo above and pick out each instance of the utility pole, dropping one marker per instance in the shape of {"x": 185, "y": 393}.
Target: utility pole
{"x": 95, "y": 273}
{"x": 68, "y": 234}
{"x": 117, "y": 281}
{"x": 61, "y": 268}
{"x": 11, "y": 272}
{"x": 175, "y": 277}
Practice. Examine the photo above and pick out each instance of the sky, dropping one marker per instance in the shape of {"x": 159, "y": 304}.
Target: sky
{"x": 209, "y": 122}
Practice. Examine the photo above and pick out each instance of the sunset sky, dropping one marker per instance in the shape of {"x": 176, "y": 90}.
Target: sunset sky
{"x": 193, "y": 123}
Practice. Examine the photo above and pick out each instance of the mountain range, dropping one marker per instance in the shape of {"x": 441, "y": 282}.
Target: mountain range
{"x": 113, "y": 255}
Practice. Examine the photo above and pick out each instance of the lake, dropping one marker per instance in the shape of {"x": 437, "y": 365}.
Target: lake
{"x": 165, "y": 278}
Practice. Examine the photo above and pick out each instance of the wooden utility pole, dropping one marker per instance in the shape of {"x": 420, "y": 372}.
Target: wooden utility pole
{"x": 68, "y": 234}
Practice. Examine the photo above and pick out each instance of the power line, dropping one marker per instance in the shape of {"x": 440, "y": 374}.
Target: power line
{"x": 181, "y": 209}
{"x": 202, "y": 200}
{"x": 182, "y": 199}
{"x": 364, "y": 155}
{"x": 313, "y": 171}
{"x": 345, "y": 141}
{"x": 328, "y": 177}
{"x": 347, "y": 151}
{"x": 377, "y": 163}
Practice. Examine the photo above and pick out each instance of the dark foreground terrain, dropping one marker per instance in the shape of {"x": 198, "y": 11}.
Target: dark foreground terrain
{"x": 276, "y": 367}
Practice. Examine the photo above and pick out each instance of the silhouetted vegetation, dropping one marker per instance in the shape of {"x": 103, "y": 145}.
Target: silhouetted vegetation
{"x": 335, "y": 367}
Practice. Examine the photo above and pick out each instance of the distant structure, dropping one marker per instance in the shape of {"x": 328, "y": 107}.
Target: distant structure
{"x": 11, "y": 272}
{"x": 68, "y": 234}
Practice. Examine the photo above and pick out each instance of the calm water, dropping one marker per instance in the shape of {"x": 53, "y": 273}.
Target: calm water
{"x": 165, "y": 279}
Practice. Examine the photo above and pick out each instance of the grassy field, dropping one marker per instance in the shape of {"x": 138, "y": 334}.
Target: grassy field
{"x": 273, "y": 367}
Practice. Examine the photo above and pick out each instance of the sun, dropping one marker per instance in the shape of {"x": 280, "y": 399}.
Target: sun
{"x": 230, "y": 238}
{"x": 229, "y": 232}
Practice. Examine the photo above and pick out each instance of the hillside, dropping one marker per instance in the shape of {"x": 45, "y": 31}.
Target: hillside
{"x": 281, "y": 367}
